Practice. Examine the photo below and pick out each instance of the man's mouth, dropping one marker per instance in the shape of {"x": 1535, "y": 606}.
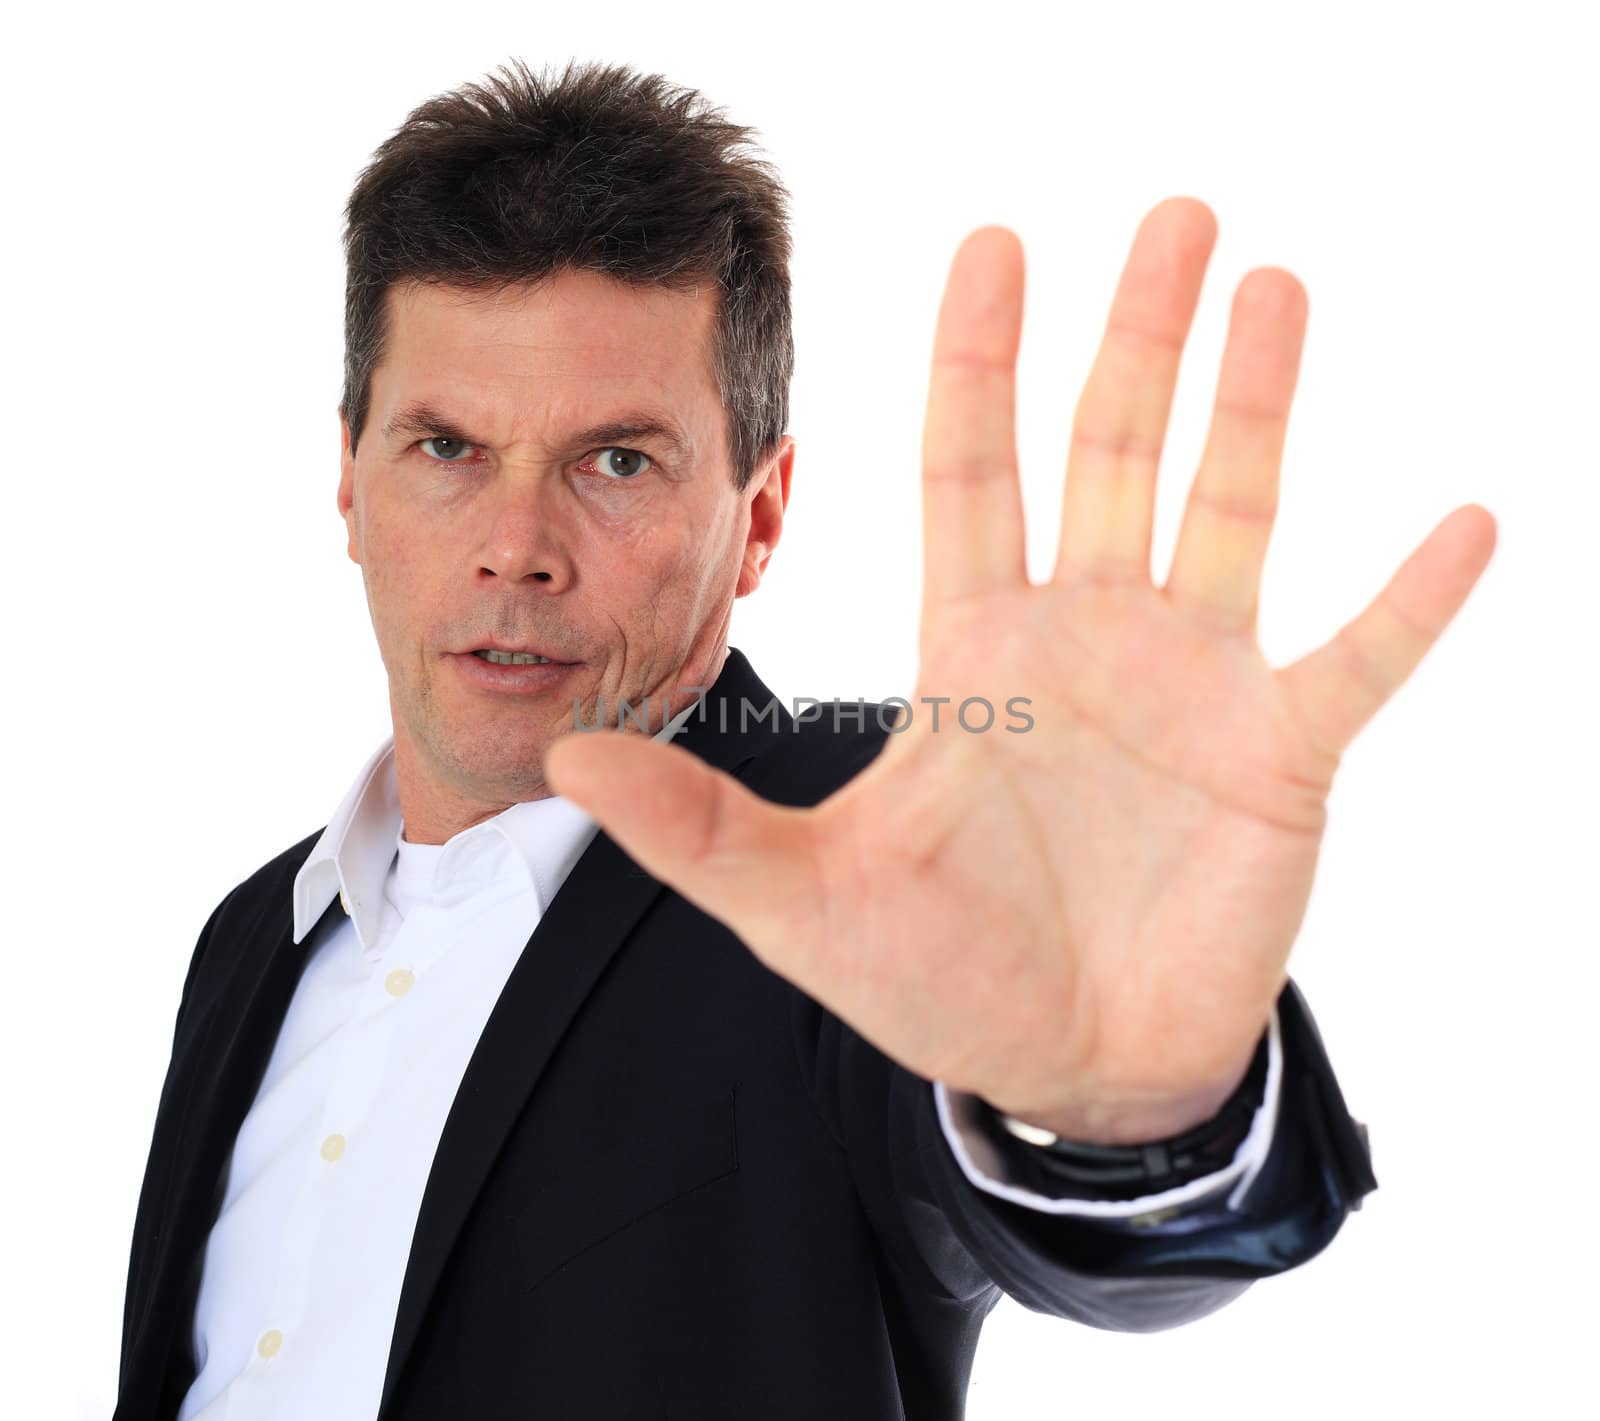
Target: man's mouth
{"x": 512, "y": 658}
{"x": 512, "y": 672}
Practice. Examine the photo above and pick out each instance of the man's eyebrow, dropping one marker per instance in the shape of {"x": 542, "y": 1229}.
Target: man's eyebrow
{"x": 420, "y": 419}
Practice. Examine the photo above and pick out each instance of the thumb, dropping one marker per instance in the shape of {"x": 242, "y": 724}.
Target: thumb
{"x": 738, "y": 857}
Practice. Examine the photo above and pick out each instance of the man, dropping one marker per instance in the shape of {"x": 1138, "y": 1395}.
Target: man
{"x": 729, "y": 1063}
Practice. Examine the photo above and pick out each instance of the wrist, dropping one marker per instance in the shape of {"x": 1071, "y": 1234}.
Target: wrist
{"x": 1133, "y": 1167}
{"x": 1132, "y": 1123}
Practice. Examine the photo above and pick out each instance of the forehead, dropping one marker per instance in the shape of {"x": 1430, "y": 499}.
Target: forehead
{"x": 558, "y": 347}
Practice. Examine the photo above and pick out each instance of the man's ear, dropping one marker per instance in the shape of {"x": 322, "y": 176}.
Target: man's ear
{"x": 347, "y": 489}
{"x": 767, "y": 507}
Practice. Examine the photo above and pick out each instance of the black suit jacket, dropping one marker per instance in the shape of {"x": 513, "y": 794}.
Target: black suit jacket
{"x": 672, "y": 1185}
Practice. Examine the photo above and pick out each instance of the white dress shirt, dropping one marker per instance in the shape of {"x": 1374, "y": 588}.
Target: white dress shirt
{"x": 303, "y": 1266}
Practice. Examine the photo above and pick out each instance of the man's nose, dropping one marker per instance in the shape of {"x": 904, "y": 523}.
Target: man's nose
{"x": 527, "y": 539}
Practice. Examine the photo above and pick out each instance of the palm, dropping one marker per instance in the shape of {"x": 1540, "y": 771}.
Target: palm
{"x": 1101, "y": 907}
{"x": 1156, "y": 827}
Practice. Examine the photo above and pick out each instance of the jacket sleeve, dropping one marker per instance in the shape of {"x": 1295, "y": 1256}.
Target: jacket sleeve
{"x": 944, "y": 1235}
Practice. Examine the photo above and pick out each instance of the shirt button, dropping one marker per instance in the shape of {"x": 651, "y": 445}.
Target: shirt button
{"x": 344, "y": 902}
{"x": 270, "y": 1342}
{"x": 399, "y": 982}
{"x": 333, "y": 1147}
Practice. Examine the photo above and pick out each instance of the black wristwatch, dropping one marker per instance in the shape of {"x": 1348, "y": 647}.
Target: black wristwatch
{"x": 1075, "y": 1169}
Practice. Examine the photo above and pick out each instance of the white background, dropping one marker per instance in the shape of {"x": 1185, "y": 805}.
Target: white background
{"x": 193, "y": 679}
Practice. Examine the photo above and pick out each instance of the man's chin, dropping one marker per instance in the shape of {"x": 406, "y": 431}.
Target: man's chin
{"x": 486, "y": 756}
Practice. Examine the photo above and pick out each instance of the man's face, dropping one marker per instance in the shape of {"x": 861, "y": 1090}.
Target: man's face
{"x": 501, "y": 516}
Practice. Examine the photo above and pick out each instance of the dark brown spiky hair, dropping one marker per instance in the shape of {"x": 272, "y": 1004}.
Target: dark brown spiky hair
{"x": 599, "y": 168}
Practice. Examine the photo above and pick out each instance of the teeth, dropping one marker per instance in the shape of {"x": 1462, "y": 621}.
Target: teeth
{"x": 512, "y": 658}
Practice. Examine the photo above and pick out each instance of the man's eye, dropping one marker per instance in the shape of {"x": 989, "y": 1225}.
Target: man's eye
{"x": 449, "y": 448}
{"x": 622, "y": 464}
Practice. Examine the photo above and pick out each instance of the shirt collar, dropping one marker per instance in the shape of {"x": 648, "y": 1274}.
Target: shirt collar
{"x": 355, "y": 851}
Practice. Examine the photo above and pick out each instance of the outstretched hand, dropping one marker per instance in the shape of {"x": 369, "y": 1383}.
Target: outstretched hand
{"x": 1086, "y": 923}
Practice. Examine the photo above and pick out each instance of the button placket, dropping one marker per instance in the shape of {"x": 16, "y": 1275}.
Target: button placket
{"x": 365, "y": 1044}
